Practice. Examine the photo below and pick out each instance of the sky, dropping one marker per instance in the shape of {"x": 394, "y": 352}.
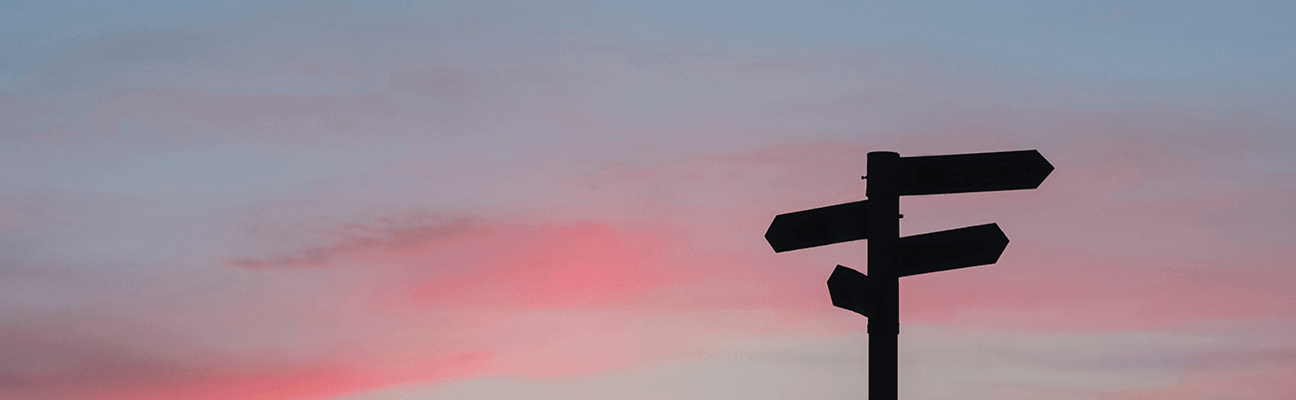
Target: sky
{"x": 389, "y": 200}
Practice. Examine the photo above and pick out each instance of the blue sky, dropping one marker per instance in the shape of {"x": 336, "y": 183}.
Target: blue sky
{"x": 1218, "y": 42}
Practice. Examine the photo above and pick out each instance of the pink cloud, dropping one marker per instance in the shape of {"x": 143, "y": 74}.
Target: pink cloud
{"x": 465, "y": 264}
{"x": 703, "y": 251}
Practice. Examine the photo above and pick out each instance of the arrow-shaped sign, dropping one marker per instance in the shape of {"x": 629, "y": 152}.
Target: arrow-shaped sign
{"x": 850, "y": 290}
{"x": 976, "y": 172}
{"x": 951, "y": 249}
{"x": 920, "y": 254}
{"x": 818, "y": 227}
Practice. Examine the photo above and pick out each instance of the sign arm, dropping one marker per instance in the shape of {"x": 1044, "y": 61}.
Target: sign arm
{"x": 852, "y": 290}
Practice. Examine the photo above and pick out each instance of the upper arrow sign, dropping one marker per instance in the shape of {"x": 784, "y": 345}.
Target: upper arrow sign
{"x": 819, "y": 226}
{"x": 951, "y": 249}
{"x": 977, "y": 172}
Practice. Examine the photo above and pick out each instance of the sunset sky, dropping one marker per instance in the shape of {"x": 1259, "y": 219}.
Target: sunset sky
{"x": 566, "y": 200}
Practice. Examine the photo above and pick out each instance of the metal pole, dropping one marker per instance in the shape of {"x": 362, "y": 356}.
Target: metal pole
{"x": 883, "y": 230}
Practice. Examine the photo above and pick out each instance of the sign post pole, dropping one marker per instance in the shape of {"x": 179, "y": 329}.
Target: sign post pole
{"x": 883, "y": 231}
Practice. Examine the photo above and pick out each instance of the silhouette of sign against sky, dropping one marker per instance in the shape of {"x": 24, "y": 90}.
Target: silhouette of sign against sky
{"x": 817, "y": 227}
{"x": 890, "y": 257}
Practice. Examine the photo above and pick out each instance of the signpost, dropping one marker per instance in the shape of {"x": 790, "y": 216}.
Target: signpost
{"x": 877, "y": 296}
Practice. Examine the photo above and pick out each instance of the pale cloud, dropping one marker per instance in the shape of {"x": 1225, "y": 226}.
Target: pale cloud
{"x": 937, "y": 363}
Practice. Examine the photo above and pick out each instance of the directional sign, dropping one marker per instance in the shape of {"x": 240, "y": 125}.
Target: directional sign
{"x": 951, "y": 249}
{"x": 977, "y": 172}
{"x": 850, "y": 289}
{"x": 818, "y": 227}
{"x": 890, "y": 256}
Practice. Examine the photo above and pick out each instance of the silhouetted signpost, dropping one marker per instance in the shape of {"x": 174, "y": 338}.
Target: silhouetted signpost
{"x": 877, "y": 296}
